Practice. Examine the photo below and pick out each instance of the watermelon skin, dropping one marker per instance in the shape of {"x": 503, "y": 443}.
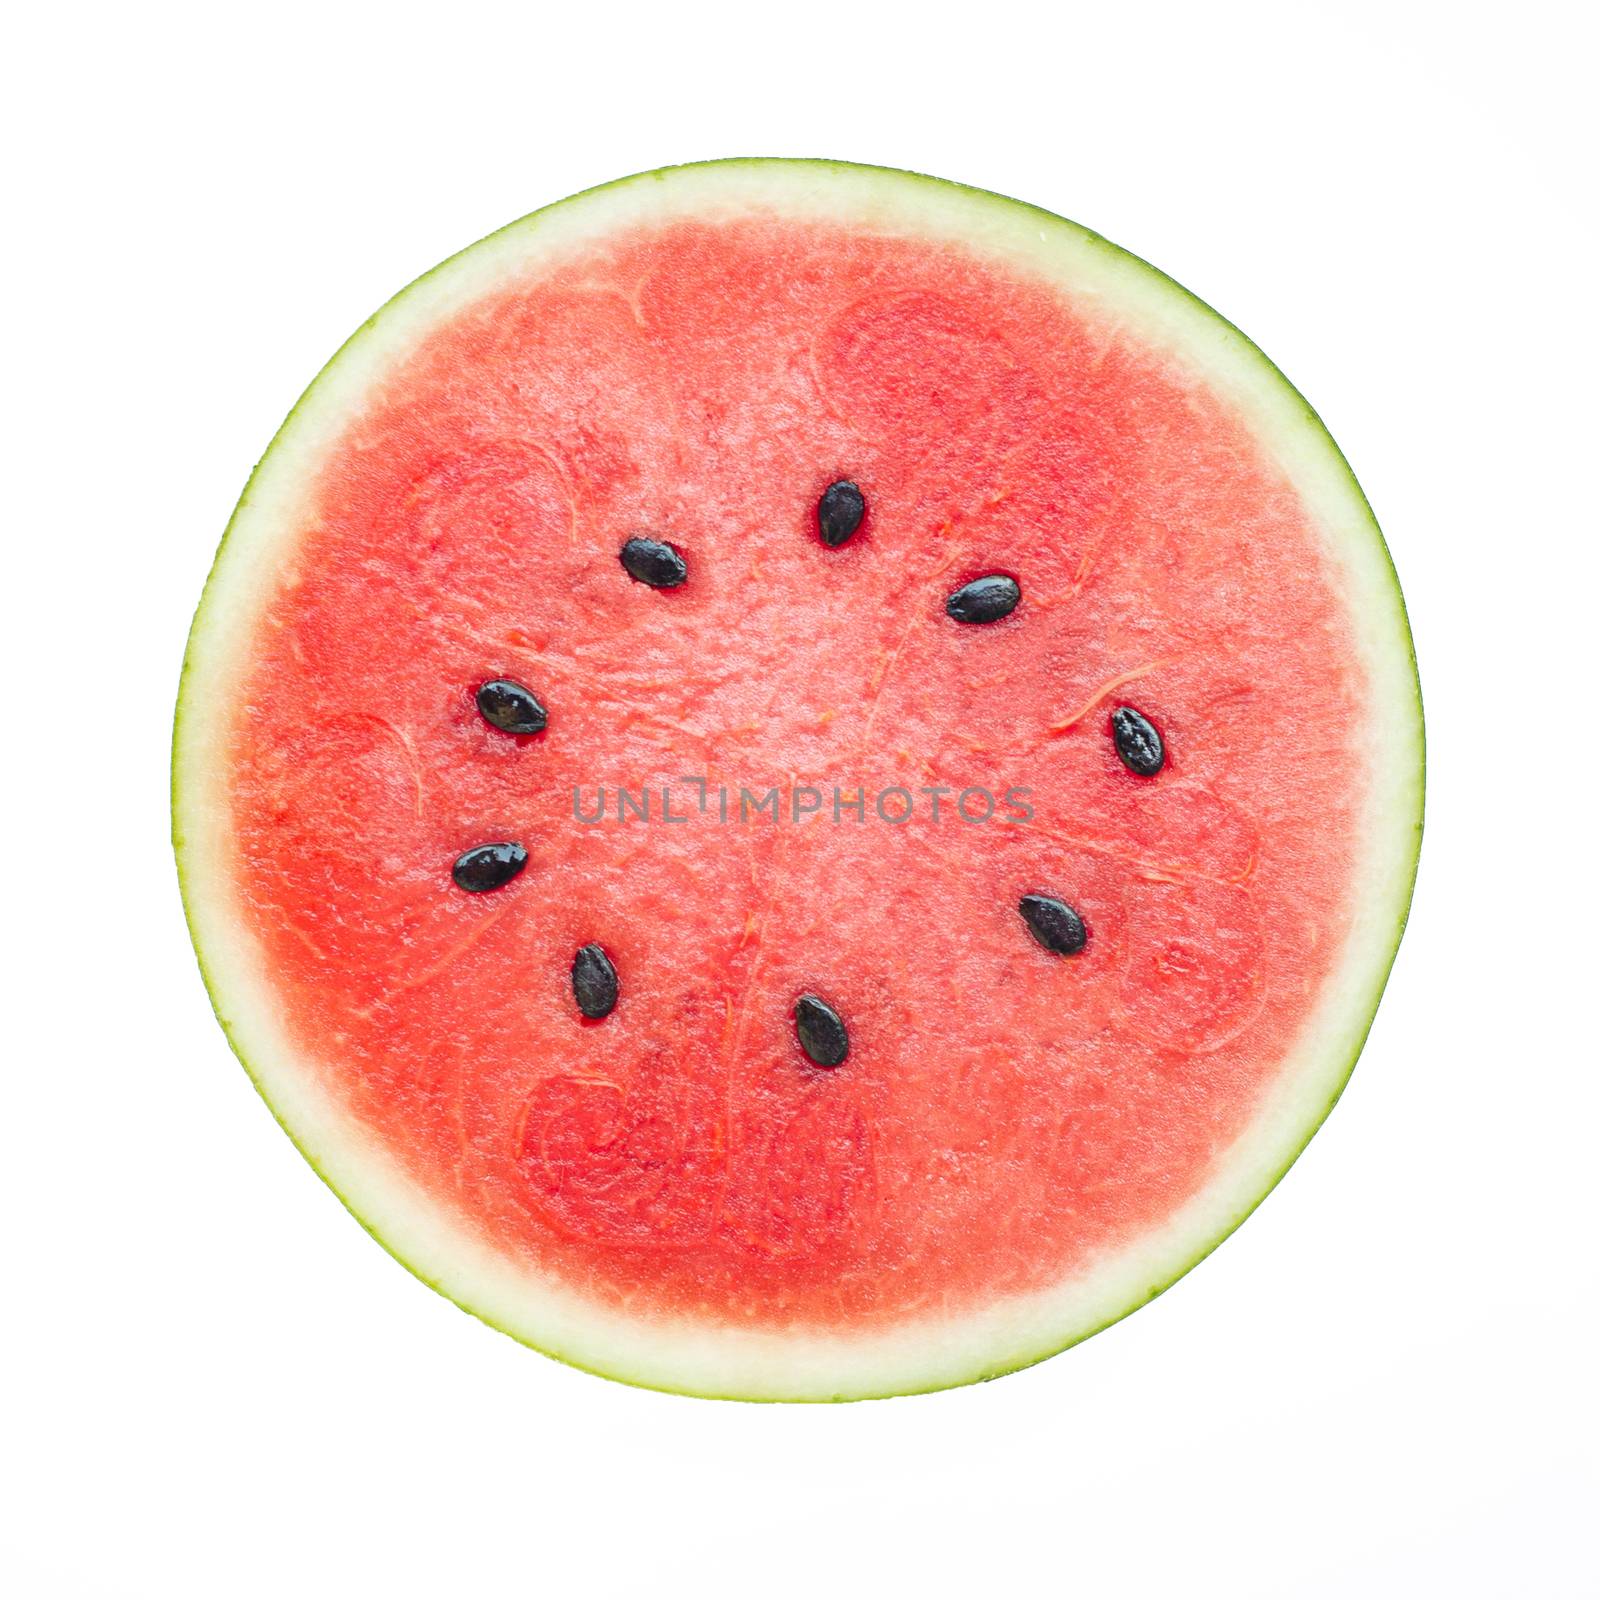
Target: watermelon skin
{"x": 917, "y": 1357}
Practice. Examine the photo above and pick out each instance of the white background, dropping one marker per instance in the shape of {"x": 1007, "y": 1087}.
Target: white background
{"x": 216, "y": 1385}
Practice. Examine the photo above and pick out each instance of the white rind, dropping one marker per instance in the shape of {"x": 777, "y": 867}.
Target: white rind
{"x": 806, "y": 1365}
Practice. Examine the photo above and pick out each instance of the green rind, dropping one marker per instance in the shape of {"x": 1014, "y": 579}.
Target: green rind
{"x": 1415, "y": 822}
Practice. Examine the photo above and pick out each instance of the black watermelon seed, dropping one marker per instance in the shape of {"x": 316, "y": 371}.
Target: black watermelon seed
{"x": 653, "y": 562}
{"x": 985, "y": 599}
{"x": 1138, "y": 743}
{"x": 505, "y": 704}
{"x": 839, "y": 512}
{"x": 594, "y": 982}
{"x": 488, "y": 866}
{"x": 1053, "y": 923}
{"x": 821, "y": 1029}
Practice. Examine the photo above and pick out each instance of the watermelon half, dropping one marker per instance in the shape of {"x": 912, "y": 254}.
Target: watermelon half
{"x": 790, "y": 502}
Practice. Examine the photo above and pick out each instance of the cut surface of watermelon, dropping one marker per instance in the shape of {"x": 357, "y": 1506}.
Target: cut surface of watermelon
{"x": 1097, "y": 992}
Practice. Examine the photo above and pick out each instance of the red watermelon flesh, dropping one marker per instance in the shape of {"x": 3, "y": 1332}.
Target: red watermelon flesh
{"x": 1008, "y": 1120}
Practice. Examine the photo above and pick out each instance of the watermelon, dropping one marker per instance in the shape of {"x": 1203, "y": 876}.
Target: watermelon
{"x": 798, "y": 782}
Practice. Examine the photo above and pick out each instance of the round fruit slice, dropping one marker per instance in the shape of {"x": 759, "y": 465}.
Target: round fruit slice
{"x": 799, "y": 782}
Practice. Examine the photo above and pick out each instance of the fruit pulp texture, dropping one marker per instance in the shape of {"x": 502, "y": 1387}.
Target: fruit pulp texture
{"x": 1006, "y": 1114}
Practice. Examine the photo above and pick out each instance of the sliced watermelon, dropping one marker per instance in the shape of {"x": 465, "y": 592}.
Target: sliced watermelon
{"x": 799, "y": 499}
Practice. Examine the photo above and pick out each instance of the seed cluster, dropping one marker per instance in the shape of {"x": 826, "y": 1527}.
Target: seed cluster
{"x": 513, "y": 708}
